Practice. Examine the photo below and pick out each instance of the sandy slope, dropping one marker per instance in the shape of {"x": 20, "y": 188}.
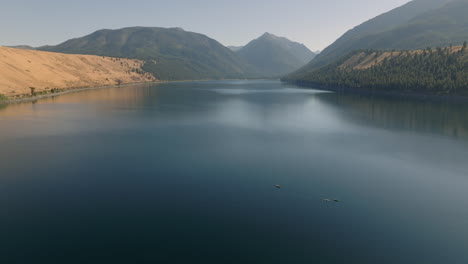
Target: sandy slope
{"x": 21, "y": 69}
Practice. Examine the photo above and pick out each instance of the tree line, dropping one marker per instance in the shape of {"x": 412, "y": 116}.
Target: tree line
{"x": 440, "y": 71}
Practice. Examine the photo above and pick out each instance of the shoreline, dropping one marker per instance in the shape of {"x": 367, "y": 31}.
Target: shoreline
{"x": 403, "y": 95}
{"x": 79, "y": 89}
{"x": 67, "y": 91}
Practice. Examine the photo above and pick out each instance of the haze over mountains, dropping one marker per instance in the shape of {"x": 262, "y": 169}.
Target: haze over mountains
{"x": 275, "y": 56}
{"x": 415, "y": 25}
{"x": 170, "y": 53}
{"x": 26, "y": 47}
{"x": 175, "y": 54}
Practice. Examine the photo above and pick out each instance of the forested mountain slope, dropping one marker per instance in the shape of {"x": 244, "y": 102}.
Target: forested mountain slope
{"x": 415, "y": 25}
{"x": 441, "y": 71}
{"x": 169, "y": 53}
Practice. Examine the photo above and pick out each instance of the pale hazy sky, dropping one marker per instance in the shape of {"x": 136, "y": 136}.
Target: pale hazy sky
{"x": 316, "y": 23}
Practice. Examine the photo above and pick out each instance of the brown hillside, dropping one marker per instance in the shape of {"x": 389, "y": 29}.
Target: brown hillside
{"x": 362, "y": 60}
{"x": 21, "y": 69}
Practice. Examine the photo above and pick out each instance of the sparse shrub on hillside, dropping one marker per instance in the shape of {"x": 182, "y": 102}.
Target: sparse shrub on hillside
{"x": 33, "y": 91}
{"x": 3, "y": 97}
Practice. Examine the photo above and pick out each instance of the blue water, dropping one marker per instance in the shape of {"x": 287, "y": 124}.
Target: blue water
{"x": 186, "y": 173}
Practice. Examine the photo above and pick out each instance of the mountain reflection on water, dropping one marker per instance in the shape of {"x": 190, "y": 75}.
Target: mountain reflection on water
{"x": 186, "y": 173}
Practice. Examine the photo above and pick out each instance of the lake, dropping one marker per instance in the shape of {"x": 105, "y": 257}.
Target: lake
{"x": 186, "y": 173}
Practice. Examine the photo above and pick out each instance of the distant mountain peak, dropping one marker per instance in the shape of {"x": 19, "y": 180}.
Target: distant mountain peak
{"x": 274, "y": 55}
{"x": 268, "y": 35}
{"x": 26, "y": 47}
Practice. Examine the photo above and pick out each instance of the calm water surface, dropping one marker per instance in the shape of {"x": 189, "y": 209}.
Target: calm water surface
{"x": 185, "y": 173}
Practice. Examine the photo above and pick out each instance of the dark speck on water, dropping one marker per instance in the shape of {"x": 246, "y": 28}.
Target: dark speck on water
{"x": 179, "y": 173}
{"x": 331, "y": 200}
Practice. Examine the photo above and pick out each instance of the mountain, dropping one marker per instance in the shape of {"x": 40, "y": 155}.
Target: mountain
{"x": 169, "y": 53}
{"x": 26, "y": 47}
{"x": 443, "y": 71}
{"x": 234, "y": 48}
{"x": 415, "y": 25}
{"x": 21, "y": 69}
{"x": 274, "y": 56}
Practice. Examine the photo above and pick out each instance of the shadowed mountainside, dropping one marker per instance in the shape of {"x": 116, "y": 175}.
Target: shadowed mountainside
{"x": 169, "y": 53}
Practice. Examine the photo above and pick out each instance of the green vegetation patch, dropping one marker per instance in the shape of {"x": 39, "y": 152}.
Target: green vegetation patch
{"x": 436, "y": 72}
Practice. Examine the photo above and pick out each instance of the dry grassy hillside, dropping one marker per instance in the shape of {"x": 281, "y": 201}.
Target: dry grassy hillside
{"x": 21, "y": 69}
{"x": 363, "y": 60}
